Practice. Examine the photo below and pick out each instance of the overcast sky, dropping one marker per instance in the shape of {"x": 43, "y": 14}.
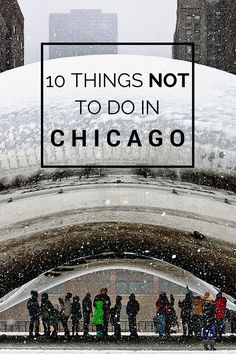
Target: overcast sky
{"x": 138, "y": 20}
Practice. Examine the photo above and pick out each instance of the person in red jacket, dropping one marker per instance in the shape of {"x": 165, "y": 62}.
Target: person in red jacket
{"x": 220, "y": 304}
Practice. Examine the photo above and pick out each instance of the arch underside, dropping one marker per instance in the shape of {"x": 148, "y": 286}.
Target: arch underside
{"x": 107, "y": 261}
{"x": 151, "y": 248}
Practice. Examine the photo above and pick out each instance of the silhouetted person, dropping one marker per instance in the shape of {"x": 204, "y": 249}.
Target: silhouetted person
{"x": 167, "y": 314}
{"x": 173, "y": 316}
{"x": 187, "y": 313}
{"x": 65, "y": 313}
{"x": 46, "y": 311}
{"x": 103, "y": 296}
{"x": 115, "y": 317}
{"x": 34, "y": 311}
{"x": 132, "y": 310}
{"x": 87, "y": 312}
{"x": 55, "y": 319}
{"x": 75, "y": 315}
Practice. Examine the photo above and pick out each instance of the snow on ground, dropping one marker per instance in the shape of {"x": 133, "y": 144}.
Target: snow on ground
{"x": 62, "y": 351}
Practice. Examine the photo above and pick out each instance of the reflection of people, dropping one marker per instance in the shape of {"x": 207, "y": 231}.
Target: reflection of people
{"x": 65, "y": 312}
{"x": 46, "y": 312}
{"x": 103, "y": 296}
{"x": 98, "y": 318}
{"x": 167, "y": 315}
{"x": 209, "y": 309}
{"x": 132, "y": 310}
{"x": 186, "y": 313}
{"x": 220, "y": 304}
{"x": 34, "y": 309}
{"x": 197, "y": 315}
{"x": 115, "y": 317}
{"x": 161, "y": 314}
{"x": 173, "y": 316}
{"x": 75, "y": 315}
{"x": 209, "y": 335}
{"x": 55, "y": 319}
{"x": 87, "y": 312}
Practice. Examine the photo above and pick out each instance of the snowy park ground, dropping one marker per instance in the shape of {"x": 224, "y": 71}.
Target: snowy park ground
{"x": 149, "y": 344}
{"x": 71, "y": 351}
{"x": 61, "y": 351}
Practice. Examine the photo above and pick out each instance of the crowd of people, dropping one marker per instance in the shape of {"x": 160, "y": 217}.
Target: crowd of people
{"x": 204, "y": 317}
{"x": 100, "y": 312}
{"x": 201, "y": 316}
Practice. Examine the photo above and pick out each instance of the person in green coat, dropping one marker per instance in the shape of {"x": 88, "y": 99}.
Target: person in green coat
{"x": 98, "y": 318}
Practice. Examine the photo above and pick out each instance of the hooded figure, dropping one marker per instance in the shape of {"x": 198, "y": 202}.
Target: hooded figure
{"x": 34, "y": 311}
{"x": 115, "y": 317}
{"x": 87, "y": 312}
{"x": 132, "y": 310}
{"x": 187, "y": 313}
{"x": 75, "y": 315}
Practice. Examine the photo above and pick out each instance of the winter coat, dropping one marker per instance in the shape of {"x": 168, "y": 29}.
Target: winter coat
{"x": 186, "y": 308}
{"x": 132, "y": 308}
{"x": 66, "y": 308}
{"x": 198, "y": 307}
{"x": 55, "y": 317}
{"x": 209, "y": 332}
{"x": 46, "y": 309}
{"x": 209, "y": 310}
{"x": 106, "y": 301}
{"x": 162, "y": 308}
{"x": 87, "y": 305}
{"x": 33, "y": 307}
{"x": 98, "y": 317}
{"x": 220, "y": 304}
{"x": 76, "y": 310}
{"x": 115, "y": 314}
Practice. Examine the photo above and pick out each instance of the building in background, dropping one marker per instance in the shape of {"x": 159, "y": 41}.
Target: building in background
{"x": 209, "y": 24}
{"x": 216, "y": 12}
{"x": 191, "y": 25}
{"x": 82, "y": 26}
{"x": 11, "y": 35}
{"x": 231, "y": 37}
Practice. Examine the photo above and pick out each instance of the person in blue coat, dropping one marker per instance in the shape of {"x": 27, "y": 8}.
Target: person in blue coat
{"x": 209, "y": 335}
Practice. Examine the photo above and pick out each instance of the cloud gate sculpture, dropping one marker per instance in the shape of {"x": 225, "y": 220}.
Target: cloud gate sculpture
{"x": 48, "y": 237}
